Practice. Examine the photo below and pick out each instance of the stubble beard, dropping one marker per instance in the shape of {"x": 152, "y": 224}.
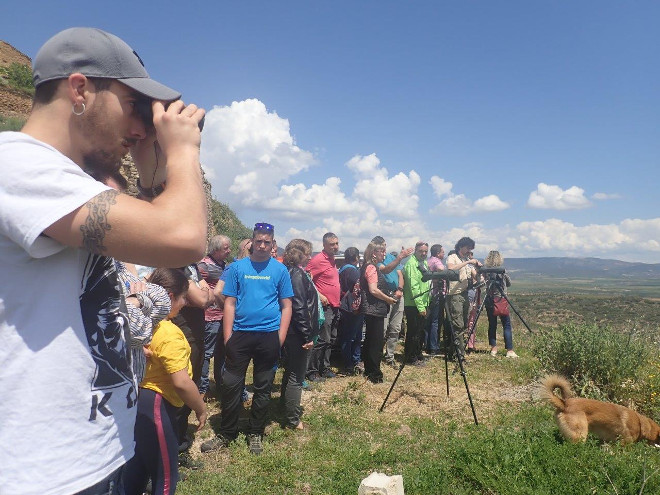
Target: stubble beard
{"x": 95, "y": 129}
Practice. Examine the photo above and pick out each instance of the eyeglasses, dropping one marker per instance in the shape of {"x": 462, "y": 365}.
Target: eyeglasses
{"x": 264, "y": 226}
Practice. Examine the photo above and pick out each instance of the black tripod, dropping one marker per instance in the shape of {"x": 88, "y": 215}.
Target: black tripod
{"x": 440, "y": 275}
{"x": 493, "y": 284}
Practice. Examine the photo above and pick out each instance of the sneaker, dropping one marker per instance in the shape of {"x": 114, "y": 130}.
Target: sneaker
{"x": 470, "y": 350}
{"x": 375, "y": 379}
{"x": 315, "y": 377}
{"x": 360, "y": 368}
{"x": 215, "y": 443}
{"x": 493, "y": 352}
{"x": 306, "y": 385}
{"x": 511, "y": 354}
{"x": 255, "y": 444}
{"x": 392, "y": 364}
{"x": 186, "y": 460}
{"x": 327, "y": 373}
{"x": 419, "y": 363}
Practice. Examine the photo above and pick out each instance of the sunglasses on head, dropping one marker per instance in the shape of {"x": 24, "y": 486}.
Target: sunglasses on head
{"x": 264, "y": 226}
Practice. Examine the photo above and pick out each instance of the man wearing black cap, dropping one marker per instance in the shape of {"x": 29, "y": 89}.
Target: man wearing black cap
{"x": 69, "y": 394}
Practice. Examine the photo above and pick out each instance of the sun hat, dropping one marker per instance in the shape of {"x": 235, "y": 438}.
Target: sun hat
{"x": 96, "y": 53}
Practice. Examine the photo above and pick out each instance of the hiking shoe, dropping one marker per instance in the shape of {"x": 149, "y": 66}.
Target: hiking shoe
{"x": 328, "y": 373}
{"x": 511, "y": 354}
{"x": 186, "y": 460}
{"x": 255, "y": 444}
{"x": 315, "y": 377}
{"x": 215, "y": 443}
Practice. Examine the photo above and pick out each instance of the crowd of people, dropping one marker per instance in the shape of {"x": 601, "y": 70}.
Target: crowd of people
{"x": 106, "y": 350}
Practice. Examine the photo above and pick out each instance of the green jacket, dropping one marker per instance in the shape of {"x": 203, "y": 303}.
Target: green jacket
{"x": 413, "y": 285}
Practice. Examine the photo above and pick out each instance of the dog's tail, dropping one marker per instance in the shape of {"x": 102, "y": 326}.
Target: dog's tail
{"x": 552, "y": 382}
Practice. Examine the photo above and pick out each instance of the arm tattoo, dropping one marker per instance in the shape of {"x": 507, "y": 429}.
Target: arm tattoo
{"x": 96, "y": 224}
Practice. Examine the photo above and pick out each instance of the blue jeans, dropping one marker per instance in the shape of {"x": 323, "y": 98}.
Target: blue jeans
{"x": 350, "y": 338}
{"x": 492, "y": 330}
{"x": 211, "y": 330}
{"x": 432, "y": 326}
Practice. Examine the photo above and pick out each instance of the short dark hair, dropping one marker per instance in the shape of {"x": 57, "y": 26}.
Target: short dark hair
{"x": 351, "y": 255}
{"x": 464, "y": 242}
{"x": 435, "y": 249}
{"x": 171, "y": 279}
{"x": 45, "y": 92}
{"x": 329, "y": 235}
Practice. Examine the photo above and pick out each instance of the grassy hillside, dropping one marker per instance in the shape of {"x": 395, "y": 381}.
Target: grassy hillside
{"x": 430, "y": 437}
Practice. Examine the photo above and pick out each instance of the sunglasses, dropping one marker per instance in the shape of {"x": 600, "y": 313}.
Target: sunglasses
{"x": 264, "y": 226}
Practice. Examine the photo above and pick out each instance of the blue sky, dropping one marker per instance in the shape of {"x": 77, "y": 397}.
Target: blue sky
{"x": 533, "y": 127}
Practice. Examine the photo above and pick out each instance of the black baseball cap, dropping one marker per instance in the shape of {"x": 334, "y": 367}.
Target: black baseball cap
{"x": 96, "y": 53}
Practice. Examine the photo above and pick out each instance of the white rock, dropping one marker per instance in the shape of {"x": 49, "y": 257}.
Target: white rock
{"x": 381, "y": 484}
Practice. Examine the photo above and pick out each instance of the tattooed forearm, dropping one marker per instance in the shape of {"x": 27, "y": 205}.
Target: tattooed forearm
{"x": 96, "y": 225}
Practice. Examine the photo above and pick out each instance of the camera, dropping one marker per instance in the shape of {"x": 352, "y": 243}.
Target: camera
{"x": 144, "y": 110}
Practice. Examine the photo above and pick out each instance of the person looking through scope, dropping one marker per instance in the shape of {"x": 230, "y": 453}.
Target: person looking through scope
{"x": 459, "y": 304}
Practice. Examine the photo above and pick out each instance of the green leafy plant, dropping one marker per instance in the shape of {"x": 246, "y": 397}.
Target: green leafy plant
{"x": 11, "y": 123}
{"x": 18, "y": 76}
{"x": 602, "y": 363}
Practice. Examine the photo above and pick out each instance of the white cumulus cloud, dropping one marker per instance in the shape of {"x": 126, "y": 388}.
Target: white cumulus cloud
{"x": 459, "y": 205}
{"x": 247, "y": 150}
{"x": 555, "y": 198}
{"x": 395, "y": 196}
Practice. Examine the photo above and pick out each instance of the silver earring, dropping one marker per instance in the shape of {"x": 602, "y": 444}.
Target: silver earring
{"x": 73, "y": 109}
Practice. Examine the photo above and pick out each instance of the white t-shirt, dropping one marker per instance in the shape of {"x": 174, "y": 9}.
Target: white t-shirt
{"x": 67, "y": 407}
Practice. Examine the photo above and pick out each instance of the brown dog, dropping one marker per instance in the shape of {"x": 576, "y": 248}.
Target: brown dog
{"x": 610, "y": 422}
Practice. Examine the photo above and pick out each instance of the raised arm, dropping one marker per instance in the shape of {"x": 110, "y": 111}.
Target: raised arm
{"x": 171, "y": 230}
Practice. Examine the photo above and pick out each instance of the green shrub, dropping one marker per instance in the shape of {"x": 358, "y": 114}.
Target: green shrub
{"x": 602, "y": 363}
{"x": 18, "y": 76}
{"x": 11, "y": 123}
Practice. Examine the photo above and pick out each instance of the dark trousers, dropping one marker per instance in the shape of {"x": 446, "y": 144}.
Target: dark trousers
{"x": 156, "y": 447}
{"x": 372, "y": 349}
{"x": 414, "y": 333}
{"x": 263, "y": 348}
{"x": 349, "y": 335}
{"x": 196, "y": 359}
{"x": 319, "y": 361}
{"x": 294, "y": 375}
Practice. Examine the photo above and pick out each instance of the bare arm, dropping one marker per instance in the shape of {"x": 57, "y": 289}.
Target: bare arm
{"x": 376, "y": 292}
{"x": 160, "y": 233}
{"x": 228, "y": 318}
{"x": 404, "y": 253}
{"x": 189, "y": 393}
{"x": 285, "y": 307}
{"x": 199, "y": 297}
{"x": 218, "y": 295}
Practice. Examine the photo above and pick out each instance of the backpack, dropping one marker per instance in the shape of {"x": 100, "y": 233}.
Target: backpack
{"x": 351, "y": 301}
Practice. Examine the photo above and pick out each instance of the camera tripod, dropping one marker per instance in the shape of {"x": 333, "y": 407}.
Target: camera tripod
{"x": 444, "y": 275}
{"x": 493, "y": 284}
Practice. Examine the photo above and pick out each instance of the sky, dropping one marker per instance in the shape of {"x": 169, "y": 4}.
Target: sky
{"x": 531, "y": 126}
